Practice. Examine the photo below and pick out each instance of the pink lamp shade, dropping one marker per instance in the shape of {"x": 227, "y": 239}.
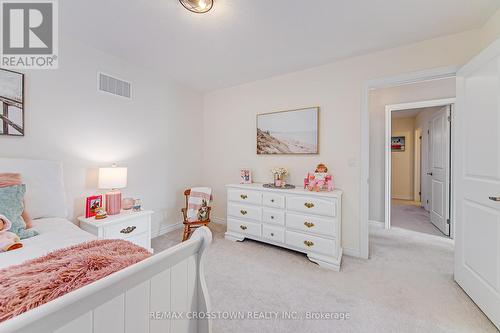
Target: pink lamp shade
{"x": 113, "y": 178}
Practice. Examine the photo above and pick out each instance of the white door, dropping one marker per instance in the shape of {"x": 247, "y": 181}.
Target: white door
{"x": 477, "y": 181}
{"x": 439, "y": 174}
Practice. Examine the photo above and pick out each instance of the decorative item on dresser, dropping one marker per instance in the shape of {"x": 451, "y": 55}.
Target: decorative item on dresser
{"x": 308, "y": 222}
{"x": 132, "y": 226}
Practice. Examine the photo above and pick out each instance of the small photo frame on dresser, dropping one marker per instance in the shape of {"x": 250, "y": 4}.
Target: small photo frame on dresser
{"x": 93, "y": 204}
{"x": 245, "y": 176}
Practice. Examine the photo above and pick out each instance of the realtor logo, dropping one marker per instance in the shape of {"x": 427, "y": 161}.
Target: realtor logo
{"x": 29, "y": 34}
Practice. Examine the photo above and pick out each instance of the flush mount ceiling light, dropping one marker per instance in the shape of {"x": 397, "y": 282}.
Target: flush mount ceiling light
{"x": 197, "y": 6}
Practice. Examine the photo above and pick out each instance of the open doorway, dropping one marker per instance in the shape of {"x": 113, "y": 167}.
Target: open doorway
{"x": 418, "y": 167}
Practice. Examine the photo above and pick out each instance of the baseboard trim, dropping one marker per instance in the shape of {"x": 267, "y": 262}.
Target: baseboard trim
{"x": 402, "y": 197}
{"x": 351, "y": 252}
{"x": 219, "y": 220}
{"x": 376, "y": 222}
{"x": 165, "y": 229}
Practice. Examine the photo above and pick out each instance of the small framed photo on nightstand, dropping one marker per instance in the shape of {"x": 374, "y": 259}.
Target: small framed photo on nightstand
{"x": 93, "y": 204}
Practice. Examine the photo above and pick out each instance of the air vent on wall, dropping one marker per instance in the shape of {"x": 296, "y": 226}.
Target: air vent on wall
{"x": 114, "y": 86}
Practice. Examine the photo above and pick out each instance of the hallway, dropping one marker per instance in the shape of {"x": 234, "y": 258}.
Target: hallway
{"x": 409, "y": 215}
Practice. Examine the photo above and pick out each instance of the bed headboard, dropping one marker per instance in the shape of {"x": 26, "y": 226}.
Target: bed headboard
{"x": 45, "y": 195}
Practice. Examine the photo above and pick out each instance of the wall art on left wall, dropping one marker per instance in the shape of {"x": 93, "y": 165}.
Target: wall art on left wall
{"x": 11, "y": 103}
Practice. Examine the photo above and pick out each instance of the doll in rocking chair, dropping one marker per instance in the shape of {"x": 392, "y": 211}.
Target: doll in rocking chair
{"x": 319, "y": 180}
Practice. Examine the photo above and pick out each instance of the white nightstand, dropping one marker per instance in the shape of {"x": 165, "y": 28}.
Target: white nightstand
{"x": 129, "y": 225}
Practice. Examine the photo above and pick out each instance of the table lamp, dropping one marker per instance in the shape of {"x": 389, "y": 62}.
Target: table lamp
{"x": 113, "y": 178}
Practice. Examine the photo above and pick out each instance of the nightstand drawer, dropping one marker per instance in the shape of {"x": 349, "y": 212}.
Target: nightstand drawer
{"x": 141, "y": 240}
{"x": 127, "y": 229}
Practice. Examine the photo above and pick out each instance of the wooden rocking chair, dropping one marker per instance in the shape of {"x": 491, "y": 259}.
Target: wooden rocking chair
{"x": 190, "y": 226}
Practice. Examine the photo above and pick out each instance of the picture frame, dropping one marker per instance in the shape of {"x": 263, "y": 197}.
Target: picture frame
{"x": 398, "y": 143}
{"x": 290, "y": 132}
{"x": 93, "y": 204}
{"x": 245, "y": 176}
{"x": 11, "y": 103}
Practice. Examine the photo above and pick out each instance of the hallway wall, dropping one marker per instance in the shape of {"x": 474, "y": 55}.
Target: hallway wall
{"x": 403, "y": 162}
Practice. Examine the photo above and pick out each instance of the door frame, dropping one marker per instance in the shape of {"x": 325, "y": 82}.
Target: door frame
{"x": 389, "y": 109}
{"x": 417, "y": 166}
{"x": 364, "y": 180}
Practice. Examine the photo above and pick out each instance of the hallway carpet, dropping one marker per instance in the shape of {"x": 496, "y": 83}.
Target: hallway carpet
{"x": 406, "y": 286}
{"x": 414, "y": 218}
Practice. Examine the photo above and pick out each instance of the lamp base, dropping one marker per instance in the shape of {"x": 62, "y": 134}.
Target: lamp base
{"x": 113, "y": 202}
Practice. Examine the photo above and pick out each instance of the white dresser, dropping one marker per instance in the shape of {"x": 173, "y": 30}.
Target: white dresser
{"x": 297, "y": 219}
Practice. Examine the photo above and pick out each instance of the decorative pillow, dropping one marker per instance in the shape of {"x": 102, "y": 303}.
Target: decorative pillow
{"x": 11, "y": 205}
{"x": 11, "y": 179}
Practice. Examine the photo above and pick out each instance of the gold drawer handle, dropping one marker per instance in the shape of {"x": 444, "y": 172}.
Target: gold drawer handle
{"x": 243, "y": 196}
{"x": 309, "y": 204}
{"x": 309, "y": 224}
{"x": 243, "y": 227}
{"x": 308, "y": 243}
{"x": 243, "y": 212}
{"x": 128, "y": 230}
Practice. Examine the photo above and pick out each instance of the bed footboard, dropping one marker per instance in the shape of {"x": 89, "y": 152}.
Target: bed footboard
{"x": 164, "y": 293}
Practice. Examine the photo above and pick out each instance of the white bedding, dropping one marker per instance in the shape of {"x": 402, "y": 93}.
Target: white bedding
{"x": 55, "y": 233}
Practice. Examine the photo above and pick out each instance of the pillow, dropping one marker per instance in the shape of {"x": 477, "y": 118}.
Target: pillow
{"x": 11, "y": 205}
{"x": 10, "y": 179}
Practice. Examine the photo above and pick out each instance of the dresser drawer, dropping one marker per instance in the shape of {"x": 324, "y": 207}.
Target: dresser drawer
{"x": 244, "y": 211}
{"x": 309, "y": 224}
{"x": 273, "y": 200}
{"x": 244, "y": 196}
{"x": 310, "y": 205}
{"x": 311, "y": 243}
{"x": 273, "y": 216}
{"x": 244, "y": 227}
{"x": 127, "y": 229}
{"x": 273, "y": 233}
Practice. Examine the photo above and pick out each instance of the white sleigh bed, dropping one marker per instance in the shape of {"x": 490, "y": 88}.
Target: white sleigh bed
{"x": 137, "y": 299}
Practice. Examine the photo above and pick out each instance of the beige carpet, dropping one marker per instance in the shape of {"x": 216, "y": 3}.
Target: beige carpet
{"x": 406, "y": 286}
{"x": 412, "y": 217}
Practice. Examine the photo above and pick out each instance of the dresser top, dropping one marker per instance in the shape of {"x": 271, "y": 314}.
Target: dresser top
{"x": 297, "y": 190}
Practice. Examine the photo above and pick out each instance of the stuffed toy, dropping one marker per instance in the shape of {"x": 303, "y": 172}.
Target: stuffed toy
{"x": 319, "y": 180}
{"x": 8, "y": 240}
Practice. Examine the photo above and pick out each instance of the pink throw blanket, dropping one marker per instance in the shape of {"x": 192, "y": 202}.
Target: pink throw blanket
{"x": 40, "y": 280}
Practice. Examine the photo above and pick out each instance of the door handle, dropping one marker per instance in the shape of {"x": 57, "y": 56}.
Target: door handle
{"x": 495, "y": 198}
{"x": 430, "y": 173}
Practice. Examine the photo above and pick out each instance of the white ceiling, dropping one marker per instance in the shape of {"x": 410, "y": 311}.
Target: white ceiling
{"x": 246, "y": 40}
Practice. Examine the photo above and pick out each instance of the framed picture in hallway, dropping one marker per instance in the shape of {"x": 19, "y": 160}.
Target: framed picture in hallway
{"x": 398, "y": 143}
{"x": 11, "y": 103}
{"x": 288, "y": 132}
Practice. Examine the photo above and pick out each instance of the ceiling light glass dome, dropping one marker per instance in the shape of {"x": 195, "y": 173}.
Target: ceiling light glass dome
{"x": 197, "y": 6}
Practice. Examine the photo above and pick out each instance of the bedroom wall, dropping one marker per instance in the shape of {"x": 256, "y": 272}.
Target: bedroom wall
{"x": 156, "y": 135}
{"x": 403, "y": 162}
{"x": 229, "y": 119}
{"x": 378, "y": 99}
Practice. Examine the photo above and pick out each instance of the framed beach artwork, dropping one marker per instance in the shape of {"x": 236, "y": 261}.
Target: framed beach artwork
{"x": 11, "y": 103}
{"x": 288, "y": 132}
